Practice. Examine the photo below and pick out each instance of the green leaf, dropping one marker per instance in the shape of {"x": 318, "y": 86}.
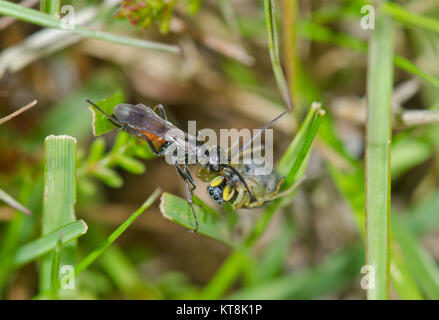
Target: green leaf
{"x": 108, "y": 176}
{"x": 101, "y": 248}
{"x": 97, "y": 150}
{"x": 211, "y": 223}
{"x": 130, "y": 164}
{"x": 101, "y": 124}
{"x": 292, "y": 165}
{"x": 378, "y": 137}
{"x": 43, "y": 245}
{"x": 45, "y": 20}
{"x": 59, "y": 198}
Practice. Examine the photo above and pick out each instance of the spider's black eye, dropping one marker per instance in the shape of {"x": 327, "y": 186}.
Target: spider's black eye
{"x": 216, "y": 198}
{"x": 211, "y": 192}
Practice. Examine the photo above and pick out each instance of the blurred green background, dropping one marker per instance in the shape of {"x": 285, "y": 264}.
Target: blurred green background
{"x": 313, "y": 245}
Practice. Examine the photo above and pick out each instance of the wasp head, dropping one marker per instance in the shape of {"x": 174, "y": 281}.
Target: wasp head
{"x": 220, "y": 190}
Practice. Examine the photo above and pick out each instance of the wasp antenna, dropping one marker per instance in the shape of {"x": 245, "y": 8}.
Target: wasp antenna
{"x": 258, "y": 134}
{"x": 111, "y": 118}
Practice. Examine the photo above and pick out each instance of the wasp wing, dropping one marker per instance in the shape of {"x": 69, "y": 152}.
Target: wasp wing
{"x": 144, "y": 120}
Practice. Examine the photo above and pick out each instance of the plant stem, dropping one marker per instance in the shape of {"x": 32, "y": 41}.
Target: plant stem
{"x": 379, "y": 124}
{"x": 89, "y": 259}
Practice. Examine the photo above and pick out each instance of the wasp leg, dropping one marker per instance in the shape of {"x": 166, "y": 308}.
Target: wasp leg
{"x": 189, "y": 191}
{"x": 276, "y": 195}
{"x": 188, "y": 174}
{"x": 162, "y": 111}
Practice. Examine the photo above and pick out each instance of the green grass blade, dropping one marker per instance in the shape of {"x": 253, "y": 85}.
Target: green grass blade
{"x": 43, "y": 19}
{"x": 51, "y": 7}
{"x": 409, "y": 18}
{"x": 377, "y": 175}
{"x": 421, "y": 264}
{"x": 92, "y": 256}
{"x": 273, "y": 44}
{"x": 332, "y": 274}
{"x": 59, "y": 199}
{"x": 291, "y": 165}
{"x": 349, "y": 180}
{"x": 273, "y": 259}
{"x": 225, "y": 276}
{"x": 13, "y": 203}
{"x": 56, "y": 259}
{"x": 424, "y": 216}
{"x": 43, "y": 245}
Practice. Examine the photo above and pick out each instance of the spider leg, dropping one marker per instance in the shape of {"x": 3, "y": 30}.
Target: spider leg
{"x": 276, "y": 195}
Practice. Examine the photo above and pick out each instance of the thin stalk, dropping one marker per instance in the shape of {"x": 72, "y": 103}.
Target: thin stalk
{"x": 377, "y": 179}
{"x": 289, "y": 20}
{"x": 92, "y": 256}
{"x": 51, "y": 7}
{"x": 273, "y": 45}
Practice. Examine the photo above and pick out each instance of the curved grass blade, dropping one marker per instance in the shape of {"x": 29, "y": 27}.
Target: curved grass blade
{"x": 92, "y": 256}
{"x": 45, "y": 244}
{"x": 292, "y": 165}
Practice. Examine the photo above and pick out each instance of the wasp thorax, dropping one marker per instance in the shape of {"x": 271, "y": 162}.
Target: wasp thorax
{"x": 217, "y": 159}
